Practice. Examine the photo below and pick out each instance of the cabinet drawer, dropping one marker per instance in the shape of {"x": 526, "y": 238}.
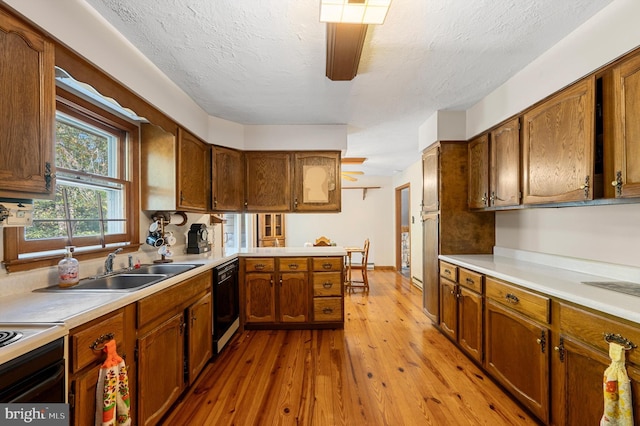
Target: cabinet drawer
{"x": 293, "y": 264}
{"x": 327, "y": 309}
{"x": 327, "y": 284}
{"x": 591, "y": 327}
{"x": 327, "y": 264}
{"x": 531, "y": 304}
{"x": 471, "y": 280}
{"x": 448, "y": 271}
{"x": 166, "y": 303}
{"x": 82, "y": 353}
{"x": 260, "y": 264}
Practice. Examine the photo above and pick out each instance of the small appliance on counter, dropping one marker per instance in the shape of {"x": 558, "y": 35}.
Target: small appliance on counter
{"x": 198, "y": 239}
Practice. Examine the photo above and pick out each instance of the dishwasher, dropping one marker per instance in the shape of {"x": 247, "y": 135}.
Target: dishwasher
{"x": 226, "y": 304}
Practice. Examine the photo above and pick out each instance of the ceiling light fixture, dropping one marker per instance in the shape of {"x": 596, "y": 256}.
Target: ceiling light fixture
{"x": 354, "y": 11}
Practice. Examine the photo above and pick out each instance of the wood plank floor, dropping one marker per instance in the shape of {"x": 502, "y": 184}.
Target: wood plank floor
{"x": 388, "y": 366}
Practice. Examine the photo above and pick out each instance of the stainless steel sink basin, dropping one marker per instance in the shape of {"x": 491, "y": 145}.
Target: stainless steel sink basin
{"x": 162, "y": 268}
{"x": 125, "y": 281}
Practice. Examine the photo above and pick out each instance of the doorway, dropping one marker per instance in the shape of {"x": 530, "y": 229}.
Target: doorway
{"x": 403, "y": 230}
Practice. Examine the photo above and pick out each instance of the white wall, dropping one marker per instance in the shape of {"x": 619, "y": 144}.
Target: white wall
{"x": 360, "y": 219}
{"x": 603, "y": 233}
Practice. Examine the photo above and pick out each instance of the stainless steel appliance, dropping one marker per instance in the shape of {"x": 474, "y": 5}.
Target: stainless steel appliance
{"x": 226, "y": 307}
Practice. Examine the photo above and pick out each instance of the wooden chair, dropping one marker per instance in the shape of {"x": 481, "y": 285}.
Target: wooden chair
{"x": 362, "y": 267}
{"x": 322, "y": 242}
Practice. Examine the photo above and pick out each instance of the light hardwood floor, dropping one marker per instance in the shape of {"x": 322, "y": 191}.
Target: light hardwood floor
{"x": 388, "y": 366}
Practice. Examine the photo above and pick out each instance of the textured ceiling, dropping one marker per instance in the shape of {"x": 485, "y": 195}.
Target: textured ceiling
{"x": 263, "y": 61}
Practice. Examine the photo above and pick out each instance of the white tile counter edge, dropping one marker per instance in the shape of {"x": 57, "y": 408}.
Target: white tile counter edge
{"x": 72, "y": 309}
{"x": 559, "y": 277}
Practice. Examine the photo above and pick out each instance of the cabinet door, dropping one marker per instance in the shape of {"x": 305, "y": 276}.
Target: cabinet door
{"x": 227, "y": 179}
{"x": 160, "y": 369}
{"x": 470, "y": 322}
{"x": 479, "y": 172}
{"x": 431, "y": 179}
{"x": 627, "y": 128}
{"x": 27, "y": 111}
{"x": 430, "y": 275}
{"x": 268, "y": 181}
{"x": 83, "y": 407}
{"x": 193, "y": 172}
{"x": 260, "y": 298}
{"x": 200, "y": 335}
{"x": 517, "y": 356}
{"x": 449, "y": 308}
{"x": 578, "y": 383}
{"x": 557, "y": 147}
{"x": 505, "y": 165}
{"x": 316, "y": 182}
{"x": 294, "y": 297}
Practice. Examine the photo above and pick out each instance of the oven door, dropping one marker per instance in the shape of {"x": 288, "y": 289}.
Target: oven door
{"x": 37, "y": 376}
{"x": 226, "y": 311}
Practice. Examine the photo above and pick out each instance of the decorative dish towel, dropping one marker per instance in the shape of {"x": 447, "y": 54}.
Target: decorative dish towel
{"x": 112, "y": 392}
{"x": 618, "y": 410}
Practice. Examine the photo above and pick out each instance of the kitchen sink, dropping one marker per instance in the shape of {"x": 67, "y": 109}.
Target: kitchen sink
{"x": 125, "y": 281}
{"x": 162, "y": 268}
{"x": 625, "y": 287}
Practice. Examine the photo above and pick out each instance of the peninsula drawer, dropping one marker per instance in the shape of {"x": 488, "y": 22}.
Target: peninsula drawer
{"x": 87, "y": 343}
{"x": 591, "y": 328}
{"x": 327, "y": 284}
{"x": 327, "y": 309}
{"x": 531, "y": 304}
{"x": 471, "y": 280}
{"x": 293, "y": 264}
{"x": 327, "y": 264}
{"x": 448, "y": 271}
{"x": 260, "y": 264}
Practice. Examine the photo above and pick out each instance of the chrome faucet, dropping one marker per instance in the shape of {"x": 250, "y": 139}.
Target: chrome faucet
{"x": 108, "y": 263}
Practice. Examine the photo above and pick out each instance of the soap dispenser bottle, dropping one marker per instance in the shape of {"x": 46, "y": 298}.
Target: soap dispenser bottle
{"x": 68, "y": 270}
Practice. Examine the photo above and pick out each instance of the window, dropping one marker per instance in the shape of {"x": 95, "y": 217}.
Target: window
{"x": 93, "y": 208}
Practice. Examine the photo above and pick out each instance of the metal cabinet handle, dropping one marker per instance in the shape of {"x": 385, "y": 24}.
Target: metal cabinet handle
{"x": 542, "y": 341}
{"x": 470, "y": 281}
{"x": 293, "y": 266}
{"x": 328, "y": 284}
{"x": 98, "y": 344}
{"x": 327, "y": 265}
{"x": 259, "y": 266}
{"x": 327, "y": 310}
{"x": 512, "y": 298}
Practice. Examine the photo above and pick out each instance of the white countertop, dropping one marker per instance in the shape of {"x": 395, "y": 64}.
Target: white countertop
{"x": 559, "y": 277}
{"x": 64, "y": 311}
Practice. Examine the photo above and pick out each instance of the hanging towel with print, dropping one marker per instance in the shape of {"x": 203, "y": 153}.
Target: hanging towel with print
{"x": 112, "y": 393}
{"x": 618, "y": 410}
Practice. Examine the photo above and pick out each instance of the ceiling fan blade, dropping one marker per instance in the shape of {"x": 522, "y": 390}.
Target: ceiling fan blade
{"x": 357, "y": 172}
{"x": 349, "y": 178}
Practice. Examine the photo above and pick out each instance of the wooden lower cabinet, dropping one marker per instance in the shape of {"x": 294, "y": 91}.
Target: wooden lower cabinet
{"x": 461, "y": 308}
{"x": 293, "y": 297}
{"x": 517, "y": 355}
{"x": 287, "y": 292}
{"x": 174, "y": 343}
{"x": 200, "y": 337}
{"x": 85, "y": 359}
{"x": 160, "y": 369}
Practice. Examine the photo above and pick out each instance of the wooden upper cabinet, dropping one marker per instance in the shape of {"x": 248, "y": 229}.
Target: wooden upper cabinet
{"x": 505, "y": 165}
{"x": 268, "y": 181}
{"x": 227, "y": 179}
{"x": 479, "y": 172}
{"x": 193, "y": 172}
{"x": 627, "y": 128}
{"x": 316, "y": 182}
{"x": 27, "y": 111}
{"x": 558, "y": 139}
{"x": 431, "y": 179}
